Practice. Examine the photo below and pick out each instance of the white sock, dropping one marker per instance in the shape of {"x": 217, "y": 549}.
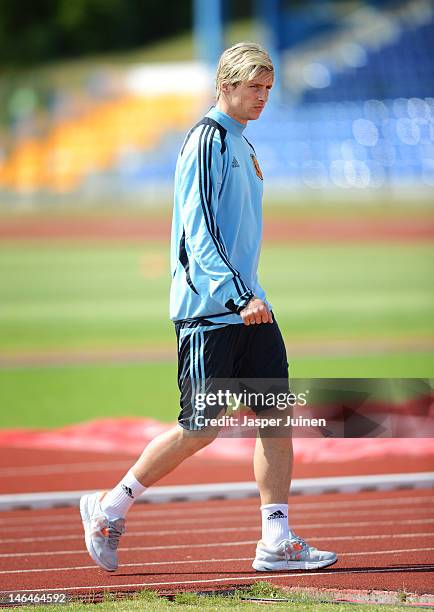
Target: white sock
{"x": 119, "y": 500}
{"x": 275, "y": 526}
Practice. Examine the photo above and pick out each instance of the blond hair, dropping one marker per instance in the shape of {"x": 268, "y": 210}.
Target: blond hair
{"x": 242, "y": 62}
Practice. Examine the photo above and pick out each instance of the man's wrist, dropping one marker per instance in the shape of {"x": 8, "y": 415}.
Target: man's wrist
{"x": 230, "y": 304}
{"x": 250, "y": 299}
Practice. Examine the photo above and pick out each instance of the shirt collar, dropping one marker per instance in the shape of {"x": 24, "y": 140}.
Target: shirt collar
{"x": 233, "y": 126}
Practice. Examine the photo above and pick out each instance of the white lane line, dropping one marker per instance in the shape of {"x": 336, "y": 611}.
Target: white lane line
{"x": 255, "y": 526}
{"x": 382, "y": 536}
{"x": 216, "y": 509}
{"x": 83, "y": 551}
{"x": 195, "y": 521}
{"x": 75, "y": 526}
{"x": 206, "y": 545}
{"x": 79, "y": 536}
{"x": 327, "y": 525}
{"x": 196, "y": 561}
{"x": 262, "y": 576}
{"x": 148, "y": 563}
{"x": 385, "y": 552}
{"x": 332, "y": 539}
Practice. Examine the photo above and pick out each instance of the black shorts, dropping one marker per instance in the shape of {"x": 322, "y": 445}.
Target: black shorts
{"x": 206, "y": 356}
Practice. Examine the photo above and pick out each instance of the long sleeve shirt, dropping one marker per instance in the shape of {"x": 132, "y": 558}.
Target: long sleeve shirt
{"x": 216, "y": 224}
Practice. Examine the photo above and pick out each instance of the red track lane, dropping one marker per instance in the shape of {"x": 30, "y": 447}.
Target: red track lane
{"x": 147, "y": 229}
{"x": 26, "y": 470}
{"x": 385, "y": 541}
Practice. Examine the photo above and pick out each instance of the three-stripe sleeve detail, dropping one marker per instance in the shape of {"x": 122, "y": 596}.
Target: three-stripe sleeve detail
{"x": 205, "y": 191}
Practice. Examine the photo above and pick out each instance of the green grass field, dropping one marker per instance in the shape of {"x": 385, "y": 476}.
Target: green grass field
{"x": 114, "y": 296}
{"x": 250, "y": 598}
{"x": 61, "y": 296}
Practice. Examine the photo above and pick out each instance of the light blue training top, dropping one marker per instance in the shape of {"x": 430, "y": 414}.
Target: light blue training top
{"x": 216, "y": 224}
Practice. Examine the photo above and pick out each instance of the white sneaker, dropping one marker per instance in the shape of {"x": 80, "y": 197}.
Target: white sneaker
{"x": 292, "y": 554}
{"x": 101, "y": 534}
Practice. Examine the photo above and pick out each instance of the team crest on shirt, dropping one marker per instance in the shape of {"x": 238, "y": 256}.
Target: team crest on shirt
{"x": 257, "y": 168}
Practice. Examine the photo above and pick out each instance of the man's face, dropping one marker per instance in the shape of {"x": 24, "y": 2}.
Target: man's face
{"x": 246, "y": 101}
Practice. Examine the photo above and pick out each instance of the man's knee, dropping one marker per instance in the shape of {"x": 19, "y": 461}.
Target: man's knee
{"x": 195, "y": 440}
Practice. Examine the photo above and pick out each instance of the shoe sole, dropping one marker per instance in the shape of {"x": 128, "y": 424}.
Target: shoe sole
{"x": 281, "y": 566}
{"x": 85, "y": 517}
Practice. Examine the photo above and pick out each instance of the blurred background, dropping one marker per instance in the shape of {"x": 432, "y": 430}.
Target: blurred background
{"x": 88, "y": 115}
{"x": 96, "y": 97}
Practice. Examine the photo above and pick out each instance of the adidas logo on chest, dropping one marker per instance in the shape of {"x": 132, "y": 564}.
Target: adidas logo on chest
{"x": 235, "y": 162}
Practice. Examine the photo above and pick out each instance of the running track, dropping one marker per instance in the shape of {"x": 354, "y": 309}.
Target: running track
{"x": 385, "y": 541}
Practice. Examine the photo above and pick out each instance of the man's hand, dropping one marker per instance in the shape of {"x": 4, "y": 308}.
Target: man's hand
{"x": 256, "y": 312}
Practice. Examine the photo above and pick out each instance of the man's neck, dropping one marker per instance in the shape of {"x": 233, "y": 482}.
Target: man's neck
{"x": 221, "y": 106}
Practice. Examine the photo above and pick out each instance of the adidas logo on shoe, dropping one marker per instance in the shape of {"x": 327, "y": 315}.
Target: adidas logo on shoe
{"x": 277, "y": 515}
{"x": 235, "y": 163}
{"x": 128, "y": 491}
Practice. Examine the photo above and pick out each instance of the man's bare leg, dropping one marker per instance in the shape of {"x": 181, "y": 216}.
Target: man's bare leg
{"x": 279, "y": 548}
{"x": 162, "y": 455}
{"x": 165, "y": 452}
{"x": 273, "y": 460}
{"x": 103, "y": 515}
{"x": 273, "y": 469}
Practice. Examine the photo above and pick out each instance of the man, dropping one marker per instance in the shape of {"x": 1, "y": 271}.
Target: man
{"x": 224, "y": 324}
